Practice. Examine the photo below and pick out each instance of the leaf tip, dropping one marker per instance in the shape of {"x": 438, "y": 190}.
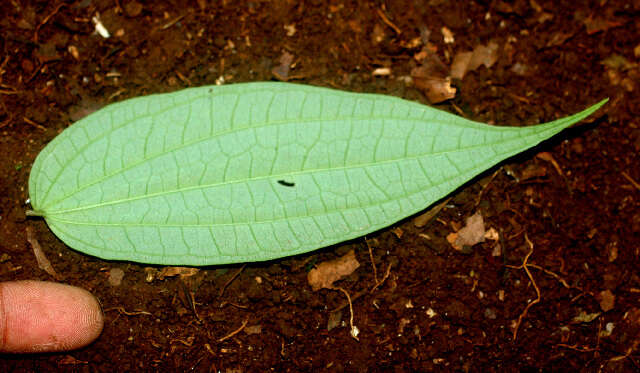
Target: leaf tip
{"x": 592, "y": 109}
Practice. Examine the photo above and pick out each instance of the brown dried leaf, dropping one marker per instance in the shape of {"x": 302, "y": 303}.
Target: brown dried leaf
{"x": 485, "y": 55}
{"x": 326, "y": 273}
{"x": 471, "y": 234}
{"x": 177, "y": 271}
{"x": 281, "y": 72}
{"x": 432, "y": 77}
{"x": 464, "y": 62}
{"x": 607, "y": 300}
{"x": 436, "y": 89}
{"x": 586, "y": 317}
{"x": 41, "y": 258}
{"x": 460, "y": 64}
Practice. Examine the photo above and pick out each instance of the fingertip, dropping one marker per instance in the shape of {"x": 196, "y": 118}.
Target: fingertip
{"x": 39, "y": 316}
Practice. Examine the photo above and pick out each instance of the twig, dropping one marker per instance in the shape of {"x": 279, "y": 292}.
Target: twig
{"x": 35, "y": 72}
{"x": 576, "y": 347}
{"x": 388, "y": 22}
{"x": 246, "y": 321}
{"x": 223, "y": 304}
{"x": 173, "y": 22}
{"x": 188, "y": 342}
{"x": 35, "y": 124}
{"x": 116, "y": 94}
{"x": 3, "y": 70}
{"x": 633, "y": 182}
{"x": 457, "y": 109}
{"x": 525, "y": 267}
{"x": 520, "y": 98}
{"x": 224, "y": 287}
{"x": 184, "y": 79}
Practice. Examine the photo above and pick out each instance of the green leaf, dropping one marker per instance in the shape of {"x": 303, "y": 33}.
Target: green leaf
{"x": 256, "y": 171}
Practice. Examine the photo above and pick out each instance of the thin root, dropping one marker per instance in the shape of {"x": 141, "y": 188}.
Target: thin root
{"x": 122, "y": 311}
{"x": 45, "y": 20}
{"x": 388, "y": 22}
{"x": 354, "y": 329}
{"x": 244, "y": 323}
{"x": 554, "y": 275}
{"x": 633, "y": 182}
{"x": 384, "y": 278}
{"x": 525, "y": 267}
{"x": 373, "y": 263}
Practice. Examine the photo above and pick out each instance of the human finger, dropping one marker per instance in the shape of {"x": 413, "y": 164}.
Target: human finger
{"x": 40, "y": 316}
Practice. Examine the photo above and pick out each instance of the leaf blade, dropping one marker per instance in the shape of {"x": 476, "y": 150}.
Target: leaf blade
{"x": 194, "y": 177}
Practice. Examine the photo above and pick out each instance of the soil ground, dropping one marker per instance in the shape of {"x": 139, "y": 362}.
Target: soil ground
{"x": 575, "y": 198}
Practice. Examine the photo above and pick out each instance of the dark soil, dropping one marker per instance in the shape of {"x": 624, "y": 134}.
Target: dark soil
{"x": 575, "y": 198}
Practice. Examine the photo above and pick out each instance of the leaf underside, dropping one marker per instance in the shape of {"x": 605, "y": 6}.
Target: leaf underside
{"x": 256, "y": 171}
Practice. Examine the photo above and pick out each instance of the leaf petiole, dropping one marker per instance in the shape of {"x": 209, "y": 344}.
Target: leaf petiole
{"x": 34, "y": 213}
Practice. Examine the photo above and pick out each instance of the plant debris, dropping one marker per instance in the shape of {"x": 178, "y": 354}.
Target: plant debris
{"x": 41, "y": 258}
{"x": 326, "y": 273}
{"x": 115, "y": 276}
{"x": 607, "y": 300}
{"x": 482, "y": 55}
{"x": 176, "y": 271}
{"x": 472, "y": 233}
